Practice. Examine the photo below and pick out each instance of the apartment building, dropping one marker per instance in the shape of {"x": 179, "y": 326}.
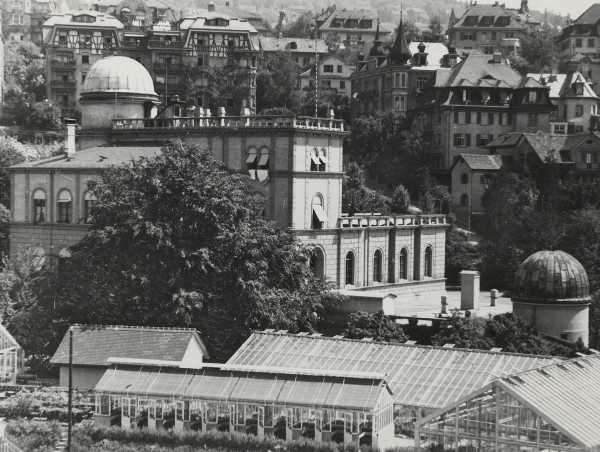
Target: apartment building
{"x": 334, "y": 77}
{"x": 490, "y": 28}
{"x": 356, "y": 29}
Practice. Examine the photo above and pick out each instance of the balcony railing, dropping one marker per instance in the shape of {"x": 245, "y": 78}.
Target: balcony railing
{"x": 369, "y": 221}
{"x": 232, "y": 122}
{"x": 60, "y": 64}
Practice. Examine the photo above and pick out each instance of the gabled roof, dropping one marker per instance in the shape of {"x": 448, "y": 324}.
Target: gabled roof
{"x": 590, "y": 16}
{"x": 102, "y": 20}
{"x": 477, "y": 66}
{"x": 489, "y": 16}
{"x": 199, "y": 21}
{"x": 565, "y": 394}
{"x": 528, "y": 82}
{"x": 353, "y": 14}
{"x": 420, "y": 376}
{"x": 93, "y": 345}
{"x": 284, "y": 388}
{"x": 561, "y": 85}
{"x": 293, "y": 45}
{"x": 479, "y": 162}
{"x": 97, "y": 158}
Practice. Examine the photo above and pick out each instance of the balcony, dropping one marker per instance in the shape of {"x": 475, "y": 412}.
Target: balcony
{"x": 384, "y": 221}
{"x": 161, "y": 44}
{"x": 61, "y": 64}
{"x": 232, "y": 122}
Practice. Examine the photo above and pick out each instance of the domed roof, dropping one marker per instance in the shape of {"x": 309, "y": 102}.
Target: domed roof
{"x": 551, "y": 276}
{"x": 118, "y": 74}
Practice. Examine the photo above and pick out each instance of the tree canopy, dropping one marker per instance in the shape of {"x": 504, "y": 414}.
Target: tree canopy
{"x": 176, "y": 240}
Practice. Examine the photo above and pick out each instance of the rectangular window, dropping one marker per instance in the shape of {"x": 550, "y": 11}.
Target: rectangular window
{"x": 533, "y": 97}
{"x": 591, "y": 42}
{"x": 578, "y": 111}
{"x": 491, "y": 118}
{"x": 456, "y": 117}
{"x": 402, "y": 103}
{"x": 328, "y": 68}
{"x": 85, "y": 59}
{"x": 339, "y": 69}
{"x": 532, "y": 120}
{"x": 421, "y": 82}
{"x": 403, "y": 80}
{"x": 478, "y": 117}
{"x": 578, "y": 42}
{"x": 459, "y": 139}
{"x": 396, "y": 80}
{"x": 484, "y": 139}
{"x": 467, "y": 139}
{"x": 342, "y": 84}
{"x": 467, "y": 117}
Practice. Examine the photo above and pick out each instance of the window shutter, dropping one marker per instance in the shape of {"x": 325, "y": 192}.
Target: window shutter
{"x": 468, "y": 139}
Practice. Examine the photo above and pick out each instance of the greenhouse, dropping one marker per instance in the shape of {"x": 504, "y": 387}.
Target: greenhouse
{"x": 422, "y": 378}
{"x": 11, "y": 357}
{"x": 553, "y": 408}
{"x": 350, "y": 409}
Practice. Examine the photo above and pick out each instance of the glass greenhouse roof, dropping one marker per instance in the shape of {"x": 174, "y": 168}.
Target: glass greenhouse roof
{"x": 428, "y": 377}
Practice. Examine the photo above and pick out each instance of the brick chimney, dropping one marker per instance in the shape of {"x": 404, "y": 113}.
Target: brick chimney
{"x": 211, "y": 6}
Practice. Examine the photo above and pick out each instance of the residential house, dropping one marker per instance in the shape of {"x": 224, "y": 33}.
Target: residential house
{"x": 97, "y": 347}
{"x": 354, "y": 29}
{"x": 301, "y": 50}
{"x": 471, "y": 177}
{"x": 334, "y": 77}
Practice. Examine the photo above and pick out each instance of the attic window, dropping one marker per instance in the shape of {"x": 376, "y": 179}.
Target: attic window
{"x": 578, "y": 88}
{"x": 502, "y": 21}
{"x": 293, "y": 45}
{"x": 84, "y": 18}
{"x": 487, "y": 21}
{"x": 471, "y": 21}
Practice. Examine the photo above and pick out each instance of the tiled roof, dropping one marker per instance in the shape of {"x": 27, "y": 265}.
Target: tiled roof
{"x": 477, "y": 66}
{"x": 354, "y": 14}
{"x": 93, "y": 345}
{"x": 489, "y": 16}
{"x": 230, "y": 386}
{"x": 506, "y": 140}
{"x": 590, "y": 16}
{"x": 420, "y": 376}
{"x": 479, "y": 162}
{"x": 96, "y": 157}
{"x": 102, "y": 20}
{"x": 567, "y": 395}
{"x": 554, "y": 82}
{"x": 198, "y": 22}
{"x": 302, "y": 45}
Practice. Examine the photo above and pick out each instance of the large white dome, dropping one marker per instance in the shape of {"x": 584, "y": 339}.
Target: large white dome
{"x": 118, "y": 74}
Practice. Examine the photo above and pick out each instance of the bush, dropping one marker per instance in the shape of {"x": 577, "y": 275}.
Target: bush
{"x": 33, "y": 435}
{"x": 88, "y": 436}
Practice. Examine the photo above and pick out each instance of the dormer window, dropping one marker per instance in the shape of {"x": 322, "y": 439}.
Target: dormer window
{"x": 293, "y": 46}
{"x": 533, "y": 97}
{"x": 578, "y": 88}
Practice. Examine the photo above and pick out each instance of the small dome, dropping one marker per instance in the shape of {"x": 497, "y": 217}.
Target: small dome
{"x": 551, "y": 276}
{"x": 118, "y": 74}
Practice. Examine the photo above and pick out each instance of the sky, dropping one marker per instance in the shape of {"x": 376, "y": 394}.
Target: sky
{"x": 573, "y": 7}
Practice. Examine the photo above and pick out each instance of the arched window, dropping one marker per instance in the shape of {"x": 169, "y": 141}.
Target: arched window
{"x": 464, "y": 200}
{"x": 262, "y": 166}
{"x": 64, "y": 205}
{"x": 323, "y": 159}
{"x": 350, "y": 268}
{"x": 377, "y": 264}
{"x": 317, "y": 263}
{"x": 428, "y": 262}
{"x": 89, "y": 201}
{"x": 318, "y": 213}
{"x": 39, "y": 206}
{"x": 464, "y": 178}
{"x": 251, "y": 161}
{"x": 403, "y": 263}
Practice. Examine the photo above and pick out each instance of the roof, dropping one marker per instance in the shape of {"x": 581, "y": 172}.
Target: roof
{"x": 118, "y": 74}
{"x": 293, "y": 45}
{"x": 551, "y": 275}
{"x": 102, "y": 20}
{"x": 479, "y": 162}
{"x": 489, "y": 16}
{"x": 93, "y": 345}
{"x": 590, "y": 16}
{"x": 199, "y": 22}
{"x": 566, "y": 394}
{"x": 353, "y": 14}
{"x": 231, "y": 386}
{"x": 229, "y": 11}
{"x": 7, "y": 340}
{"x": 477, "y": 66}
{"x": 421, "y": 376}
{"x": 94, "y": 158}
{"x": 561, "y": 85}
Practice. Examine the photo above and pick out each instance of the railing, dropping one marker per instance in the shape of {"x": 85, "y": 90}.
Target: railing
{"x": 366, "y": 221}
{"x": 158, "y": 44}
{"x": 70, "y": 64}
{"x": 235, "y": 122}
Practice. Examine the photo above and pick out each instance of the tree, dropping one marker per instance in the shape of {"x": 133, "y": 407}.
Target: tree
{"x": 176, "y": 240}
{"x": 302, "y": 27}
{"x": 537, "y": 53}
{"x": 461, "y": 254}
{"x": 276, "y": 83}
{"x": 377, "y": 326}
{"x": 357, "y": 197}
{"x": 400, "y": 200}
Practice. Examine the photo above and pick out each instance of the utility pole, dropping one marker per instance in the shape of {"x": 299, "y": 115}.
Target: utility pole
{"x": 70, "y": 414}
{"x": 316, "y": 73}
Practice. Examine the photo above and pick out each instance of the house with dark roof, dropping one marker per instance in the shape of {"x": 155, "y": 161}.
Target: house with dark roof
{"x": 465, "y": 107}
{"x": 301, "y": 50}
{"x": 354, "y": 28}
{"x": 471, "y": 176}
{"x": 97, "y": 347}
{"x": 578, "y": 44}
{"x": 491, "y": 28}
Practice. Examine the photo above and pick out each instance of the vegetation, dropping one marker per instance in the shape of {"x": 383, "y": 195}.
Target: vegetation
{"x": 34, "y": 436}
{"x": 376, "y": 326}
{"x": 276, "y": 83}
{"x": 49, "y": 403}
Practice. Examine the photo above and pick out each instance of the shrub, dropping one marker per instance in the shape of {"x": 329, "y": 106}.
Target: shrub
{"x": 34, "y": 435}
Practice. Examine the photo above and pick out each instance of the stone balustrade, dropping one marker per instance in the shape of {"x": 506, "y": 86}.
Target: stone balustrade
{"x": 369, "y": 221}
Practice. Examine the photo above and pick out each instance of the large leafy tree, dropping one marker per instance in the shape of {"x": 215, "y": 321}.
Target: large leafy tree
{"x": 276, "y": 83}
{"x": 176, "y": 240}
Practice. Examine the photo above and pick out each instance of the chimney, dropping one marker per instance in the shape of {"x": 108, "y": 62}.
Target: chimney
{"x": 469, "y": 290}
{"x": 70, "y": 146}
{"x": 497, "y": 58}
{"x": 211, "y": 6}
{"x": 227, "y": 3}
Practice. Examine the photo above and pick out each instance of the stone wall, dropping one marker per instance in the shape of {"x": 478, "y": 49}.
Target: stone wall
{"x": 51, "y": 237}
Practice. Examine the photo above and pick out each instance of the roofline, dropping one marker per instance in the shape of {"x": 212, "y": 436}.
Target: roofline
{"x": 427, "y": 347}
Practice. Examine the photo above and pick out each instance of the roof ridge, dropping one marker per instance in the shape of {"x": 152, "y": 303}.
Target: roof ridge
{"x": 92, "y": 326}
{"x": 427, "y": 347}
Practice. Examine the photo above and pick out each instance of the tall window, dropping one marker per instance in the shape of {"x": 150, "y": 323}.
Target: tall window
{"x": 89, "y": 201}
{"x": 39, "y": 206}
{"x": 403, "y": 264}
{"x": 377, "y": 264}
{"x": 464, "y": 200}
{"x": 578, "y": 111}
{"x": 317, "y": 263}
{"x": 64, "y": 205}
{"x": 318, "y": 213}
{"x": 262, "y": 170}
{"x": 350, "y": 268}
{"x": 428, "y": 270}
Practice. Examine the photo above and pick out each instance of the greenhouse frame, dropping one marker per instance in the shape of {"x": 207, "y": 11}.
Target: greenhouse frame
{"x": 553, "y": 408}
{"x": 350, "y": 409}
{"x": 11, "y": 357}
{"x": 422, "y": 378}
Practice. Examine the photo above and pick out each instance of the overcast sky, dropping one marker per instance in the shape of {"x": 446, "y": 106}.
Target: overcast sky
{"x": 573, "y": 7}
